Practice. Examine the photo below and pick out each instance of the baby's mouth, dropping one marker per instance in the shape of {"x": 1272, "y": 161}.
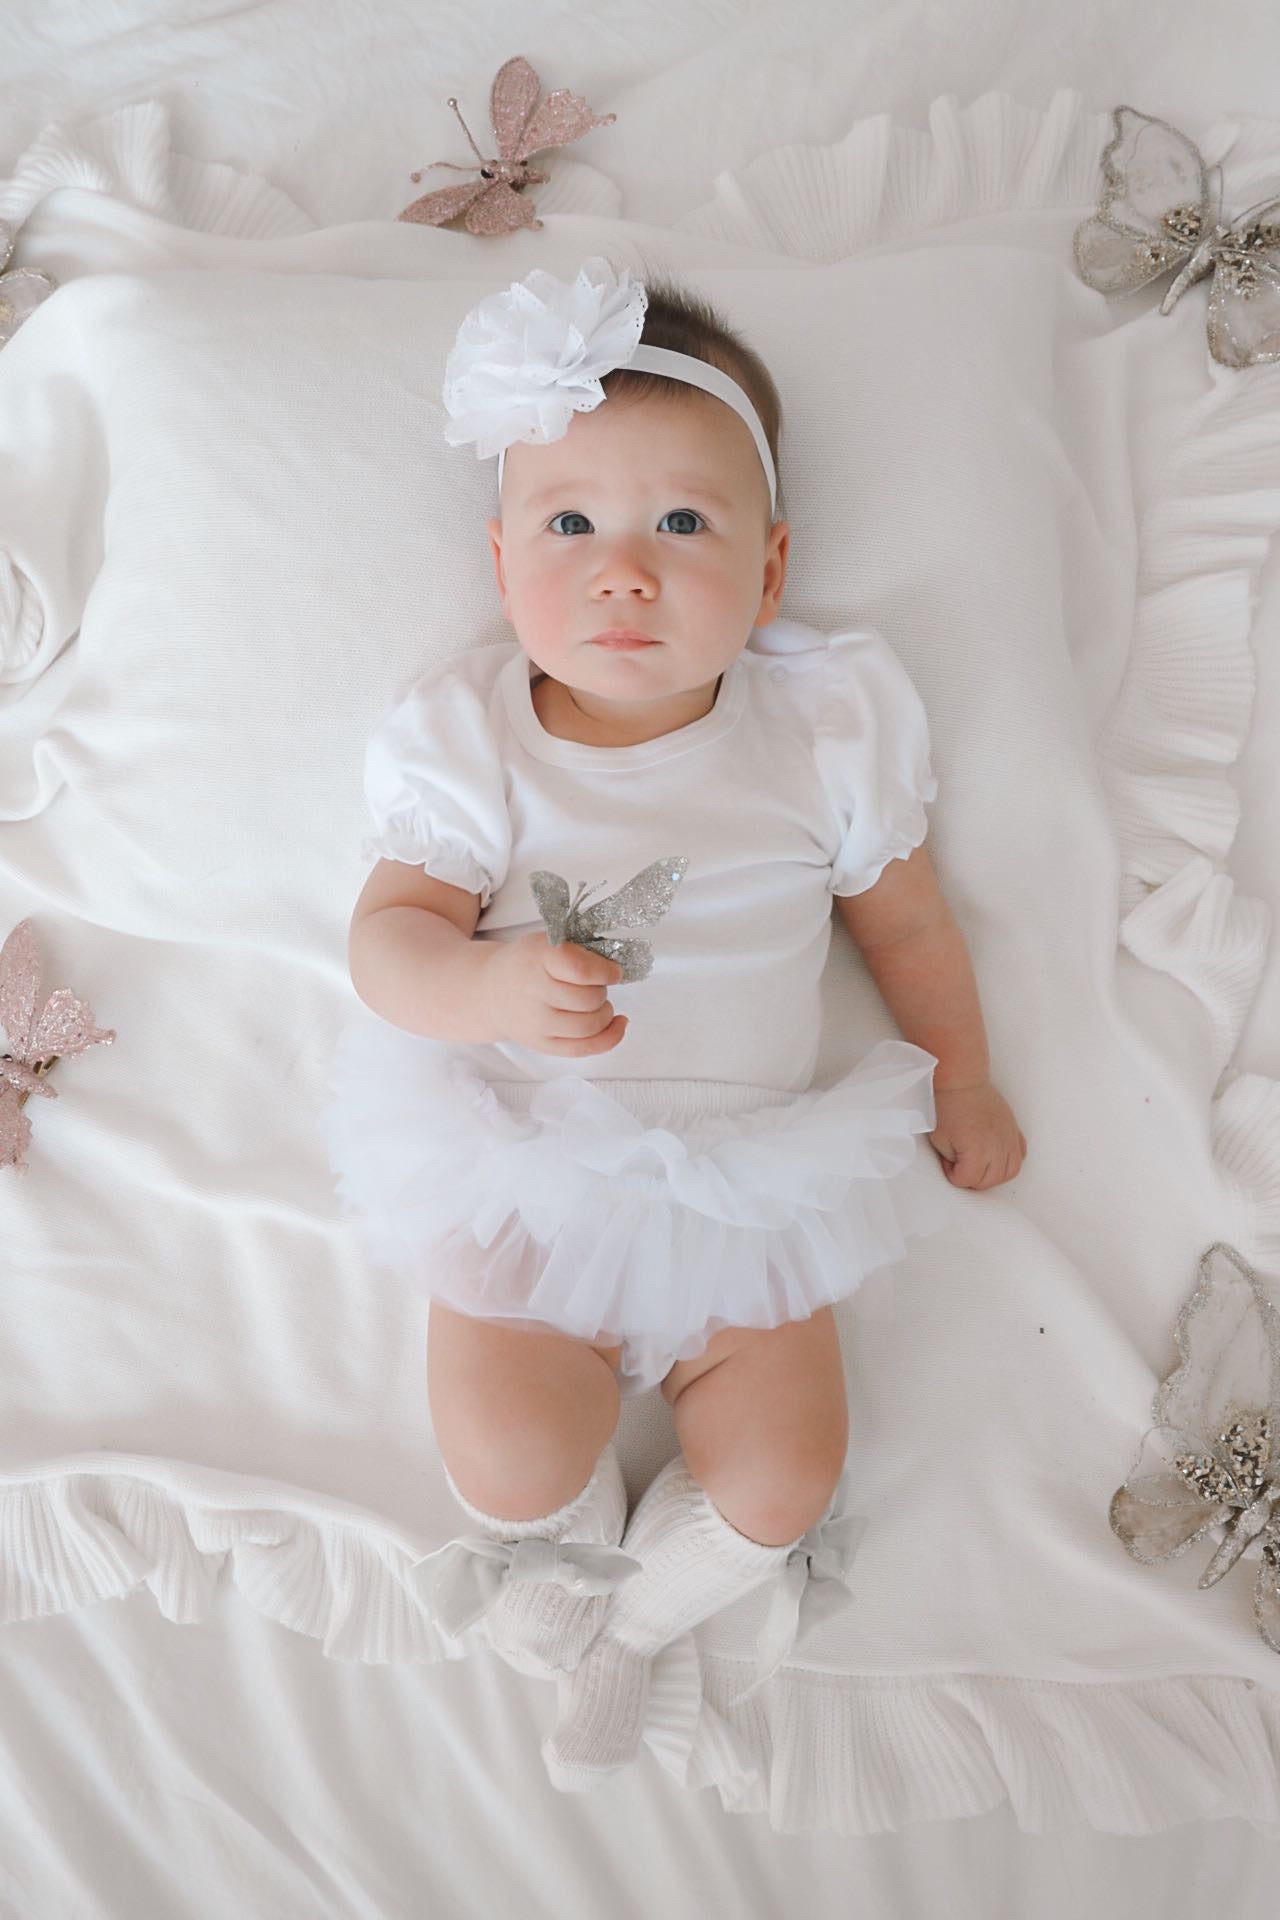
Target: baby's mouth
{"x": 622, "y": 640}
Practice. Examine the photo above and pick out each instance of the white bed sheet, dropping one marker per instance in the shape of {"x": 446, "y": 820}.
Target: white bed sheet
{"x": 228, "y": 1767}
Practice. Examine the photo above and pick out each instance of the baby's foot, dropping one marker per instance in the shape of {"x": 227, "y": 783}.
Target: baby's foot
{"x": 540, "y": 1629}
{"x": 600, "y": 1727}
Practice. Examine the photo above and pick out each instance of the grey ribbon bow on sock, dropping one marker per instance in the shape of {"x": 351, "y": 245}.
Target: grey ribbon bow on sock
{"x": 461, "y": 1581}
{"x": 812, "y": 1587}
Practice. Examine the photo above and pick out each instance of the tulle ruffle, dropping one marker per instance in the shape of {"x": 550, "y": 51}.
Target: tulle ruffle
{"x": 649, "y": 1211}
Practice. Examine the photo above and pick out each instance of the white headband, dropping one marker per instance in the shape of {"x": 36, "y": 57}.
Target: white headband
{"x": 525, "y": 360}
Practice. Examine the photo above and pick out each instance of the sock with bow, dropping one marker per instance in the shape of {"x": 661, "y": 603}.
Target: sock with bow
{"x": 693, "y": 1563}
{"x": 542, "y": 1626}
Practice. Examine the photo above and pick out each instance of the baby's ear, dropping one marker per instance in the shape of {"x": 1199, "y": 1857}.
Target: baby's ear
{"x": 775, "y": 571}
{"x": 494, "y": 530}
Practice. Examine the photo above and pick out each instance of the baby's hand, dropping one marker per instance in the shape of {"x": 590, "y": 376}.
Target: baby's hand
{"x": 553, "y": 998}
{"x": 976, "y": 1137}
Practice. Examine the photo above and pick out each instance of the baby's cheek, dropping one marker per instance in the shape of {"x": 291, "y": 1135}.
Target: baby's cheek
{"x": 544, "y": 621}
{"x": 542, "y": 609}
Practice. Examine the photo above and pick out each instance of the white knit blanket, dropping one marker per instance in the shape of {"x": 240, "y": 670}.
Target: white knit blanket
{"x": 204, "y": 1379}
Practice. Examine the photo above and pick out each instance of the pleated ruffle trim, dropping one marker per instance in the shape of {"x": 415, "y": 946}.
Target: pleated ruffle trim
{"x": 129, "y": 155}
{"x": 1178, "y": 722}
{"x": 816, "y": 1750}
{"x": 882, "y": 184}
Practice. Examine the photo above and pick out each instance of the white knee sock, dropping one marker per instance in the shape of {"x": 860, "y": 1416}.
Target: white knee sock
{"x": 537, "y": 1627}
{"x": 693, "y": 1564}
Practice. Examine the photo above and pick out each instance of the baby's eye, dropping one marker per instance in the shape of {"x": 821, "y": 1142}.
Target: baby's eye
{"x": 569, "y": 515}
{"x": 683, "y": 514}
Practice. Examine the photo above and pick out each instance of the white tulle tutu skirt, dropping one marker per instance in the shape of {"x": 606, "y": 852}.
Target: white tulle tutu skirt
{"x": 646, "y": 1213}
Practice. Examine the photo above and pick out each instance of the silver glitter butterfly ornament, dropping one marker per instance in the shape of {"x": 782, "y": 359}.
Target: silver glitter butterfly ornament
{"x": 1161, "y": 208}
{"x": 1211, "y": 1459}
{"x": 21, "y": 288}
{"x": 640, "y": 903}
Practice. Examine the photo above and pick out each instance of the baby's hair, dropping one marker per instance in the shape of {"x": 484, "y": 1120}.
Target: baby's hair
{"x": 678, "y": 318}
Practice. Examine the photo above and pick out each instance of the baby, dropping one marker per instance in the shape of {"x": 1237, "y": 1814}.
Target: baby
{"x": 601, "y": 1157}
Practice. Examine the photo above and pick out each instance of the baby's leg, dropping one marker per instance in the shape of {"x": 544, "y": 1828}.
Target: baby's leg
{"x": 520, "y": 1417}
{"x": 763, "y": 1420}
{"x": 763, "y": 1426}
{"x": 524, "y": 1421}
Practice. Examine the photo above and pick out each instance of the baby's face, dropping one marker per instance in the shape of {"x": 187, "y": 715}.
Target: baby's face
{"x": 651, "y": 515}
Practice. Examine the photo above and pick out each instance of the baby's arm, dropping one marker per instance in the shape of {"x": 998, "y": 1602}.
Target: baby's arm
{"x": 409, "y": 929}
{"x": 917, "y": 956}
{"x": 413, "y": 961}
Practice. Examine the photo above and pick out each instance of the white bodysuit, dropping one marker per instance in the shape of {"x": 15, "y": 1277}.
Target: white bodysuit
{"x": 809, "y": 774}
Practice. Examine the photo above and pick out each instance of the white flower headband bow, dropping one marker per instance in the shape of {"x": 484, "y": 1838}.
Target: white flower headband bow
{"x": 526, "y": 359}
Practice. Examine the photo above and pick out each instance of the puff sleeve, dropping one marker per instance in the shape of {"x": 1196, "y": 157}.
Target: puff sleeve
{"x": 871, "y": 749}
{"x": 435, "y": 788}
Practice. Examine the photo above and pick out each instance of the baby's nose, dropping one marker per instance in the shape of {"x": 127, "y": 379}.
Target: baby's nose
{"x": 626, "y": 568}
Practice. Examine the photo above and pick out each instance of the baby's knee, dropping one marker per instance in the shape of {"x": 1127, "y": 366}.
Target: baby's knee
{"x": 785, "y": 1493}
{"x": 528, "y": 1445}
{"x": 779, "y": 1514}
{"x": 522, "y": 1473}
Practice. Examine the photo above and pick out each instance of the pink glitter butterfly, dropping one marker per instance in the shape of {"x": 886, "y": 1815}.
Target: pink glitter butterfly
{"x": 63, "y": 1027}
{"x": 495, "y": 203}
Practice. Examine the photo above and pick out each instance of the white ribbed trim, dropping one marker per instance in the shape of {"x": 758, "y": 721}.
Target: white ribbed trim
{"x": 816, "y": 1750}
{"x": 1179, "y": 720}
{"x": 882, "y": 184}
{"x": 851, "y": 1755}
{"x": 21, "y": 621}
{"x": 834, "y": 1753}
{"x": 97, "y": 1526}
{"x": 129, "y": 155}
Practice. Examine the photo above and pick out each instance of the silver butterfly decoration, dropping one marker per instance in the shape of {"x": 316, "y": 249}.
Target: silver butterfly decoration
{"x": 1161, "y": 208}
{"x": 641, "y": 902}
{"x": 21, "y": 288}
{"x": 1210, "y": 1460}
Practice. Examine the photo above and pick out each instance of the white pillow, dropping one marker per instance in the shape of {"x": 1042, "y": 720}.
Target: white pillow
{"x": 288, "y": 543}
